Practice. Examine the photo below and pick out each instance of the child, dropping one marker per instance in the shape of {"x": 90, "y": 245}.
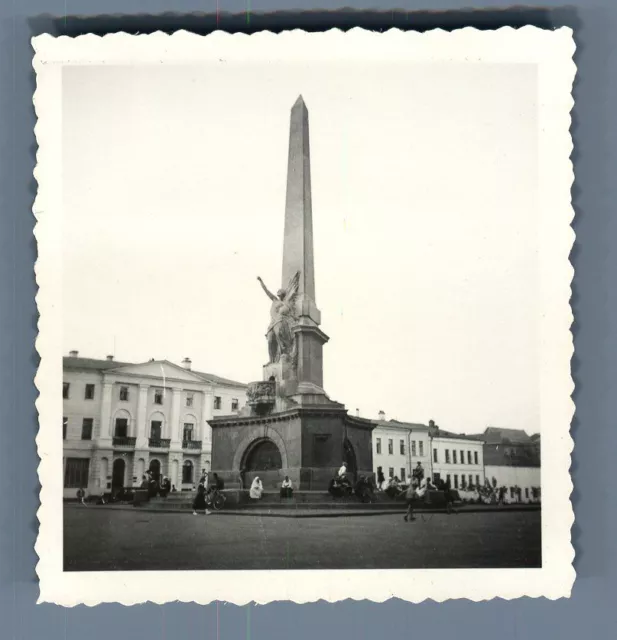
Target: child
{"x": 410, "y": 496}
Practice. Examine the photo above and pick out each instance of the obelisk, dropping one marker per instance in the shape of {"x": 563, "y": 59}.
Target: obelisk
{"x": 298, "y": 254}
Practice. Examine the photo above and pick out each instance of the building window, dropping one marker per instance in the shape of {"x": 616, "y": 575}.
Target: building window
{"x": 158, "y": 396}
{"x": 470, "y": 480}
{"x": 402, "y": 474}
{"x": 378, "y": 445}
{"x": 189, "y": 399}
{"x": 187, "y": 472}
{"x": 477, "y": 481}
{"x": 456, "y": 481}
{"x": 447, "y": 456}
{"x": 454, "y": 456}
{"x": 512, "y": 492}
{"x": 156, "y": 428}
{"x": 435, "y": 458}
{"x": 187, "y": 434}
{"x": 462, "y": 457}
{"x": 448, "y": 480}
{"x": 391, "y": 472}
{"x": 86, "y": 429}
{"x": 475, "y": 457}
{"x": 390, "y": 446}
{"x": 89, "y": 392}
{"x": 421, "y": 447}
{"x": 463, "y": 482}
{"x": 122, "y": 428}
{"x": 76, "y": 473}
{"x": 402, "y": 447}
{"x": 124, "y": 394}
{"x": 413, "y": 448}
{"x": 526, "y": 493}
{"x": 65, "y": 390}
{"x": 217, "y": 402}
{"x": 234, "y": 404}
{"x": 469, "y": 457}
{"x": 65, "y": 423}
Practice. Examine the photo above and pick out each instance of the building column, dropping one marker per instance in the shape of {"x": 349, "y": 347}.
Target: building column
{"x": 142, "y": 406}
{"x": 174, "y": 427}
{"x": 105, "y": 427}
{"x": 206, "y": 413}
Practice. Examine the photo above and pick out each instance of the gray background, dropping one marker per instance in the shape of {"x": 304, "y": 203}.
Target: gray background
{"x": 591, "y": 612}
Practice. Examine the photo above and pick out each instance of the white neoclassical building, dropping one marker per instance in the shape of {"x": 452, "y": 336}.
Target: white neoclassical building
{"x": 120, "y": 419}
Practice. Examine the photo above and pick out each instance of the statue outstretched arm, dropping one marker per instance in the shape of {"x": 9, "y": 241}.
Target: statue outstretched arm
{"x": 268, "y": 292}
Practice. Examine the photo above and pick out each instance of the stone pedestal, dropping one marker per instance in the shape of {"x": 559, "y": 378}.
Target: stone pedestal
{"x": 312, "y": 442}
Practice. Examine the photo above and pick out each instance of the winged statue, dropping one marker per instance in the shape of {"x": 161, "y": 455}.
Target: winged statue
{"x": 281, "y": 340}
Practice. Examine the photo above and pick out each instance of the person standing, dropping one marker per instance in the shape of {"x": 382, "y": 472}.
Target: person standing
{"x": 380, "y": 478}
{"x": 242, "y": 478}
{"x": 410, "y": 497}
{"x": 199, "y": 503}
{"x": 81, "y": 496}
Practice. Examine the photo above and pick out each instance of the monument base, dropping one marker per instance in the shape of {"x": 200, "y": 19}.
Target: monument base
{"x": 306, "y": 443}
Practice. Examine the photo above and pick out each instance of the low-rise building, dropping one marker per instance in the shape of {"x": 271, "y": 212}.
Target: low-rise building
{"x": 457, "y": 458}
{"x": 399, "y": 446}
{"x": 512, "y": 460}
{"x": 121, "y": 419}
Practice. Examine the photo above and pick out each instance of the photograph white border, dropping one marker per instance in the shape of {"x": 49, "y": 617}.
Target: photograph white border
{"x": 552, "y": 52}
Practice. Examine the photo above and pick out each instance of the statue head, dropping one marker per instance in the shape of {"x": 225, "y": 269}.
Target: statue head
{"x": 281, "y": 294}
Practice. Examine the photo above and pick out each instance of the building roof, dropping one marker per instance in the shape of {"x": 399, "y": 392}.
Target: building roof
{"x": 68, "y": 362}
{"x": 511, "y": 455}
{"x": 497, "y": 435}
{"x": 92, "y": 364}
{"x": 397, "y": 424}
{"x": 438, "y": 432}
{"x": 434, "y": 432}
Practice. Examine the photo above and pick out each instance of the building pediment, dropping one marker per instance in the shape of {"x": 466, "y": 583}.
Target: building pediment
{"x": 160, "y": 369}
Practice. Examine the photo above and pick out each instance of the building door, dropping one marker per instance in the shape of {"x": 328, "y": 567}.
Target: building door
{"x": 117, "y": 476}
{"x": 155, "y": 470}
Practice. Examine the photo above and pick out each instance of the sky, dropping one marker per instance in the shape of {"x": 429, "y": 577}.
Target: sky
{"x": 424, "y": 189}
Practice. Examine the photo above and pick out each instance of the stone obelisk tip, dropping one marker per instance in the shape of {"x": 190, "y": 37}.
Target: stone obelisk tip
{"x": 299, "y": 102}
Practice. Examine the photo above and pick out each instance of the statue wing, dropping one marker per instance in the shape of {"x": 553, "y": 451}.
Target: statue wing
{"x": 292, "y": 288}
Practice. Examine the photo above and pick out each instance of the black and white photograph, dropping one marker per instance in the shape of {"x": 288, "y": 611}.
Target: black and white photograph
{"x": 304, "y": 310}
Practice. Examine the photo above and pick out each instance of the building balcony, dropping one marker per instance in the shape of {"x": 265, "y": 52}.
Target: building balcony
{"x": 159, "y": 443}
{"x": 124, "y": 441}
{"x": 191, "y": 444}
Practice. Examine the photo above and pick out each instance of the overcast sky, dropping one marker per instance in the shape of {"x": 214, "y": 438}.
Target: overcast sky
{"x": 424, "y": 213}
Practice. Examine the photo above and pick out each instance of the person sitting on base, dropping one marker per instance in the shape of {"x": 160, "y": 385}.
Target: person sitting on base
{"x": 286, "y": 488}
{"x": 165, "y": 487}
{"x": 257, "y": 489}
{"x": 363, "y": 489}
{"x": 393, "y": 488}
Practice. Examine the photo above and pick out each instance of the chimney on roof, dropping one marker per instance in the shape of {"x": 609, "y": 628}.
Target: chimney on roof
{"x": 382, "y": 415}
{"x": 357, "y": 413}
{"x": 110, "y": 357}
{"x": 186, "y": 363}
{"x": 74, "y": 354}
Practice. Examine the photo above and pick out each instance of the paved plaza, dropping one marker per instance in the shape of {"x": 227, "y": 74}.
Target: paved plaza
{"x": 99, "y": 539}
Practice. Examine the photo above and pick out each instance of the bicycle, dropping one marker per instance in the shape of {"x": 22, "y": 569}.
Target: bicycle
{"x": 216, "y": 499}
